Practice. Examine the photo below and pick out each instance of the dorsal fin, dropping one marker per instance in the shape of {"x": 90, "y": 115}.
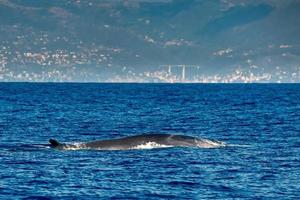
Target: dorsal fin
{"x": 54, "y": 143}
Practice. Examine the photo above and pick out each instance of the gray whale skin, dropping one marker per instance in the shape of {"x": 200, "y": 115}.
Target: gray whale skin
{"x": 139, "y": 141}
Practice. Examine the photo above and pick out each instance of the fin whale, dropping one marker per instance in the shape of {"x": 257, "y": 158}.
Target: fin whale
{"x": 140, "y": 142}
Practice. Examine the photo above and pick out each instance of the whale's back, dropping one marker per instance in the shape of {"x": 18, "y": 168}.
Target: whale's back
{"x": 140, "y": 142}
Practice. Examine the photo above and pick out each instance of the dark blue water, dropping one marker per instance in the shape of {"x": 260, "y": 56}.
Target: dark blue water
{"x": 264, "y": 118}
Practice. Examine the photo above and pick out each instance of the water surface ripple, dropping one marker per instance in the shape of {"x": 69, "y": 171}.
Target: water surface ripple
{"x": 263, "y": 119}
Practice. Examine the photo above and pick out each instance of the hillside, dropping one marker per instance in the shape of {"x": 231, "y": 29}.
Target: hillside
{"x": 133, "y": 40}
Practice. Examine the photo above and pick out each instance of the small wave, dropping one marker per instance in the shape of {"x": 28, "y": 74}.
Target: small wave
{"x": 205, "y": 143}
{"x": 41, "y": 146}
{"x": 75, "y": 146}
{"x": 238, "y": 145}
{"x": 151, "y": 145}
{"x": 25, "y": 147}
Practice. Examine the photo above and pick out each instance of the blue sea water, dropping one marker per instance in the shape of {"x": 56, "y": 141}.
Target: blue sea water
{"x": 262, "y": 120}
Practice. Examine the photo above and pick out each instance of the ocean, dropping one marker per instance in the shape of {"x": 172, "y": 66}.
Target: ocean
{"x": 259, "y": 122}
